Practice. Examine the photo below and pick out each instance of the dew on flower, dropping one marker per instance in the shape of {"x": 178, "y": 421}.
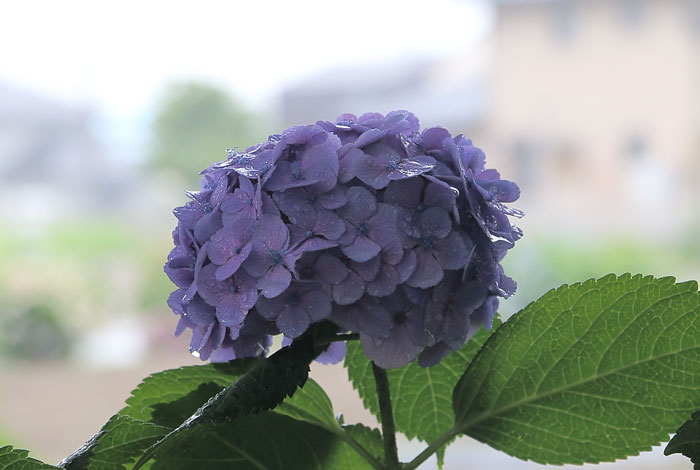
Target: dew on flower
{"x": 386, "y": 230}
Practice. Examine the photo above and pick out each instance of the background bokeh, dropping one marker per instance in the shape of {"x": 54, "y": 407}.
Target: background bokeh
{"x": 108, "y": 110}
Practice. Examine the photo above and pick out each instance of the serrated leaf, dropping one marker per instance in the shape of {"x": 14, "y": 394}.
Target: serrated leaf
{"x": 588, "y": 373}
{"x": 687, "y": 441}
{"x": 309, "y": 403}
{"x": 124, "y": 439}
{"x": 161, "y": 402}
{"x": 421, "y": 397}
{"x": 262, "y": 388}
{"x": 369, "y": 438}
{"x": 266, "y": 441}
{"x": 18, "y": 459}
{"x": 174, "y": 384}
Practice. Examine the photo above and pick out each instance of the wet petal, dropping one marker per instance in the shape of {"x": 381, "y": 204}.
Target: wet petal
{"x": 428, "y": 271}
{"x": 451, "y": 252}
{"x": 275, "y": 281}
{"x": 292, "y": 322}
{"x": 350, "y": 290}
{"x": 361, "y": 249}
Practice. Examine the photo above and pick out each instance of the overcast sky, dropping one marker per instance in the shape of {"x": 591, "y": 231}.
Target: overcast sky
{"x": 118, "y": 55}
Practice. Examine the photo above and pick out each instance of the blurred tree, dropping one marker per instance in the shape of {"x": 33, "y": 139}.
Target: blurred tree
{"x": 194, "y": 125}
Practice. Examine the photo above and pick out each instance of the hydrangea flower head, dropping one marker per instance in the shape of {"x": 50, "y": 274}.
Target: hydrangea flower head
{"x": 369, "y": 222}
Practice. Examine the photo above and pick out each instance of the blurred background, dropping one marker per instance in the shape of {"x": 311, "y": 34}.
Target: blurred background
{"x": 108, "y": 110}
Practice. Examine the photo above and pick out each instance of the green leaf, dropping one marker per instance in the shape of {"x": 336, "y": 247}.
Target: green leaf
{"x": 262, "y": 388}
{"x": 158, "y": 405}
{"x": 369, "y": 438}
{"x": 18, "y": 459}
{"x": 309, "y": 403}
{"x": 266, "y": 441}
{"x": 124, "y": 438}
{"x": 421, "y": 397}
{"x": 174, "y": 384}
{"x": 687, "y": 440}
{"x": 590, "y": 372}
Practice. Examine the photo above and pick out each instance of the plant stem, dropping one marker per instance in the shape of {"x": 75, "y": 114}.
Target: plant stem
{"x": 391, "y": 456}
{"x": 430, "y": 450}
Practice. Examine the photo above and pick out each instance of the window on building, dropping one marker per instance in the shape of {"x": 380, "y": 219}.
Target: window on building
{"x": 633, "y": 12}
{"x": 564, "y": 20}
{"x": 524, "y": 162}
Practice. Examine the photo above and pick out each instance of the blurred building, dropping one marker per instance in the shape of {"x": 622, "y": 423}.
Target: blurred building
{"x": 594, "y": 101}
{"x": 598, "y": 102}
{"x": 52, "y": 165}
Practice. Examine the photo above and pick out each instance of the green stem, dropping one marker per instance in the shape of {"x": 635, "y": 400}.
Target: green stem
{"x": 431, "y": 449}
{"x": 391, "y": 456}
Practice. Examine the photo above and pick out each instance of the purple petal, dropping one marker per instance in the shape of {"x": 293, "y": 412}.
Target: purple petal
{"x": 199, "y": 312}
{"x": 329, "y": 225}
{"x": 231, "y": 266}
{"x": 451, "y": 252}
{"x": 433, "y": 354}
{"x": 334, "y": 354}
{"x": 367, "y": 270}
{"x": 211, "y": 290}
{"x": 361, "y": 205}
{"x": 270, "y": 308}
{"x": 333, "y": 199}
{"x": 374, "y": 319}
{"x": 439, "y": 195}
{"x": 405, "y": 193}
{"x": 272, "y": 233}
{"x": 394, "y": 351}
{"x": 349, "y": 291}
{"x": 207, "y": 226}
{"x": 406, "y": 266}
{"x": 275, "y": 281}
{"x": 382, "y": 230}
{"x": 316, "y": 305}
{"x": 175, "y": 301}
{"x": 428, "y": 271}
{"x": 292, "y": 322}
{"x": 434, "y": 137}
{"x": 230, "y": 312}
{"x": 330, "y": 269}
{"x": 385, "y": 283}
{"x": 362, "y": 249}
{"x": 435, "y": 221}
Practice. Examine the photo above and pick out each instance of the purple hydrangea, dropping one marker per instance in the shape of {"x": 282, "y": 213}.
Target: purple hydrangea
{"x": 368, "y": 222}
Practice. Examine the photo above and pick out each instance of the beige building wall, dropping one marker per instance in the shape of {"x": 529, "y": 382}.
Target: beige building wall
{"x": 595, "y": 105}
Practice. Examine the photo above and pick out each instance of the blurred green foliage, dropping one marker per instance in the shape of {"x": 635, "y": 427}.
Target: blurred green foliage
{"x": 34, "y": 333}
{"x": 195, "y": 124}
{"x": 542, "y": 263}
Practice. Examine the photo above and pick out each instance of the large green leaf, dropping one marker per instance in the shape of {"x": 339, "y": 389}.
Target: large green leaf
{"x": 589, "y": 372}
{"x": 421, "y": 396}
{"x": 309, "y": 403}
{"x": 158, "y": 405}
{"x": 262, "y": 388}
{"x": 175, "y": 384}
{"x": 687, "y": 441}
{"x": 123, "y": 439}
{"x": 266, "y": 441}
{"x": 18, "y": 459}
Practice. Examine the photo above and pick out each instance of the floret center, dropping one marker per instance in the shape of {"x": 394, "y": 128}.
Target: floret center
{"x": 362, "y": 228}
{"x": 276, "y": 257}
{"x": 428, "y": 242}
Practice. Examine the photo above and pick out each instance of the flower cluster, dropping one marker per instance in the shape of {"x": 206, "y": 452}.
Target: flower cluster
{"x": 367, "y": 222}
